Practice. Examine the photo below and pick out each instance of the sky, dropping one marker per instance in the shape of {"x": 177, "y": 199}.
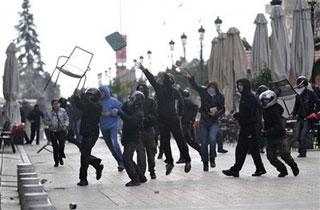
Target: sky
{"x": 149, "y": 25}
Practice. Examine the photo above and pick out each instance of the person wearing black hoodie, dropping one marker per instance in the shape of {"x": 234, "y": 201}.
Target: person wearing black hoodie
{"x": 169, "y": 118}
{"x": 248, "y": 118}
{"x": 148, "y": 144}
{"x": 132, "y": 115}
{"x": 275, "y": 133}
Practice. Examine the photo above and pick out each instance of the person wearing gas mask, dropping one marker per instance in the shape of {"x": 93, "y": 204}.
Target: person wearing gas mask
{"x": 248, "y": 118}
{"x": 132, "y": 115}
{"x": 275, "y": 133}
{"x": 307, "y": 102}
{"x": 187, "y": 120}
{"x": 147, "y": 135}
{"x": 88, "y": 102}
{"x": 167, "y": 99}
{"x": 212, "y": 107}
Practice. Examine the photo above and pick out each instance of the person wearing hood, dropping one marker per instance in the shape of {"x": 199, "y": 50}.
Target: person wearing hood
{"x": 35, "y": 119}
{"x": 109, "y": 124}
{"x": 169, "y": 114}
{"x": 248, "y": 118}
{"x": 147, "y": 135}
{"x": 212, "y": 107}
{"x": 275, "y": 133}
{"x": 132, "y": 115}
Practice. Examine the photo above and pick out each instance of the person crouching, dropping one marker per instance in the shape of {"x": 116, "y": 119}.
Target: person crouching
{"x": 132, "y": 115}
{"x": 274, "y": 132}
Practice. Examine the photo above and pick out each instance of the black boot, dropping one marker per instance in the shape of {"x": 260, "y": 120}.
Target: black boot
{"x": 283, "y": 174}
{"x": 205, "y": 166}
{"x": 169, "y": 168}
{"x": 212, "y": 163}
{"x": 99, "y": 172}
{"x": 259, "y": 172}
{"x": 187, "y": 167}
{"x": 181, "y": 160}
{"x": 295, "y": 169}
{"x": 82, "y": 183}
{"x": 231, "y": 173}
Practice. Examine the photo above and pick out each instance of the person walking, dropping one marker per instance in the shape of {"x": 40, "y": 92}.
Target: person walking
{"x": 35, "y": 119}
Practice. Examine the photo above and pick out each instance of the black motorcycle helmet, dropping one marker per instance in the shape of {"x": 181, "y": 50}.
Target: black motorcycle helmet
{"x": 94, "y": 94}
{"x": 185, "y": 93}
{"x": 168, "y": 79}
{"x": 261, "y": 89}
{"x": 302, "y": 82}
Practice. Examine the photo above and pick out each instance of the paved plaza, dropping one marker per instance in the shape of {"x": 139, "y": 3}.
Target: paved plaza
{"x": 195, "y": 190}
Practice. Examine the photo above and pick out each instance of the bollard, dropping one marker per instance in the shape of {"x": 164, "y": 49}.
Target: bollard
{"x": 41, "y": 207}
{"x": 33, "y": 199}
{"x": 19, "y": 185}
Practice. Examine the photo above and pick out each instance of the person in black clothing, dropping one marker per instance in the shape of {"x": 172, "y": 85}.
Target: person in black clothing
{"x": 306, "y": 103}
{"x": 88, "y": 102}
{"x": 187, "y": 120}
{"x": 34, "y": 118}
{"x": 275, "y": 133}
{"x": 212, "y": 107}
{"x": 169, "y": 121}
{"x": 24, "y": 111}
{"x": 148, "y": 144}
{"x": 248, "y": 117}
{"x": 132, "y": 115}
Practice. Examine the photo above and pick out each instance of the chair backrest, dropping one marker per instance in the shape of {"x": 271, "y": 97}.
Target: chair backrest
{"x": 77, "y": 64}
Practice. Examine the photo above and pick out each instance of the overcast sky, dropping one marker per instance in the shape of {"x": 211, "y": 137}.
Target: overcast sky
{"x": 149, "y": 25}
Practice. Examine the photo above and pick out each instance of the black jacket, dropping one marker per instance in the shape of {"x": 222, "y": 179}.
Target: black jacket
{"x": 132, "y": 116}
{"x": 208, "y": 102}
{"x": 149, "y": 108}
{"x": 305, "y": 104}
{"x": 90, "y": 115}
{"x": 248, "y": 115}
{"x": 273, "y": 121}
{"x": 166, "y": 98}
{"x": 190, "y": 111}
{"x": 34, "y": 117}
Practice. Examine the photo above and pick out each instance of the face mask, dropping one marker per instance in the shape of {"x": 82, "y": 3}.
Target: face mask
{"x": 211, "y": 91}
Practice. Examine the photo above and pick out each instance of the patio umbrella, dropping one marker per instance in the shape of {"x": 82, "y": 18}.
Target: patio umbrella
{"x": 260, "y": 46}
{"x": 279, "y": 44}
{"x": 212, "y": 59}
{"x": 11, "y": 86}
{"x": 302, "y": 45}
{"x": 235, "y": 67}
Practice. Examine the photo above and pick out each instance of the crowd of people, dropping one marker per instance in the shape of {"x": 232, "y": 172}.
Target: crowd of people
{"x": 172, "y": 112}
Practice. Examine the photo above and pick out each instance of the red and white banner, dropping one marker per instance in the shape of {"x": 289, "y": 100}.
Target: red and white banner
{"x": 121, "y": 55}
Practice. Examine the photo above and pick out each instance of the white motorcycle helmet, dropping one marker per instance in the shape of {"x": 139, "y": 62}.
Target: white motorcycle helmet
{"x": 268, "y": 98}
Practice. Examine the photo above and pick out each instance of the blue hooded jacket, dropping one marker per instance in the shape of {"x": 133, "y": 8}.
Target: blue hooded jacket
{"x": 108, "y": 103}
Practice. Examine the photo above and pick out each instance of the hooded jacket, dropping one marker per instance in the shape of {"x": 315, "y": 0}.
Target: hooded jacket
{"x": 305, "y": 104}
{"x": 149, "y": 108}
{"x": 108, "y": 103}
{"x": 273, "y": 121}
{"x": 248, "y": 115}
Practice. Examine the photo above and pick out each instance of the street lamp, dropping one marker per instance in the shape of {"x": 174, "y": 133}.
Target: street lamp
{"x": 149, "y": 58}
{"x": 184, "y": 42}
{"x": 171, "y": 43}
{"x": 276, "y": 2}
{"x": 141, "y": 59}
{"x": 312, "y": 4}
{"x": 201, "y": 32}
{"x": 218, "y": 23}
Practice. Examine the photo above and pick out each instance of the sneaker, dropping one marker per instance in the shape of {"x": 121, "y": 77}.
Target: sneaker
{"x": 222, "y": 151}
{"x": 212, "y": 163}
{"x": 153, "y": 175}
{"x": 61, "y": 162}
{"x": 231, "y": 173}
{"x": 82, "y": 183}
{"x": 99, "y": 172}
{"x": 295, "y": 170}
{"x": 259, "y": 172}
{"x": 205, "y": 166}
{"x": 56, "y": 165}
{"x": 301, "y": 156}
{"x": 283, "y": 174}
{"x": 120, "y": 168}
{"x": 181, "y": 160}
{"x": 187, "y": 167}
{"x": 132, "y": 184}
{"x": 169, "y": 168}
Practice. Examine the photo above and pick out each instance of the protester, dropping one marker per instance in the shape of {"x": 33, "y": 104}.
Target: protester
{"x": 57, "y": 121}
{"x": 169, "y": 122}
{"x": 147, "y": 135}
{"x": 132, "y": 115}
{"x": 248, "y": 118}
{"x": 109, "y": 124}
{"x": 88, "y": 102}
{"x": 275, "y": 133}
{"x": 212, "y": 107}
{"x": 35, "y": 119}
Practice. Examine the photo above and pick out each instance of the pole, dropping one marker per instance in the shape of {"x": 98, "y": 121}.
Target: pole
{"x": 184, "y": 52}
{"x": 201, "y": 62}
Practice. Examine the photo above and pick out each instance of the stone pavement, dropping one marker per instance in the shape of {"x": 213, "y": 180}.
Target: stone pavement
{"x": 195, "y": 190}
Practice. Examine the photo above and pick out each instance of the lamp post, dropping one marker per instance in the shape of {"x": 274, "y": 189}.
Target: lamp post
{"x": 171, "y": 43}
{"x": 312, "y": 4}
{"x": 276, "y": 2}
{"x": 184, "y": 42}
{"x": 149, "y": 58}
{"x": 201, "y": 33}
{"x": 218, "y": 23}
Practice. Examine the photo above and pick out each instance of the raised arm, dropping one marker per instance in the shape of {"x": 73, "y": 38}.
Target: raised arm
{"x": 193, "y": 83}
{"x": 150, "y": 77}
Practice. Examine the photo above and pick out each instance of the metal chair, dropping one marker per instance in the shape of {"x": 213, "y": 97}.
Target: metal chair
{"x": 76, "y": 65}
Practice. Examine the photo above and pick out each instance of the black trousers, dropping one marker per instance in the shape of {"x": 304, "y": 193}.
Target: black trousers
{"x": 133, "y": 170}
{"x": 86, "y": 158}
{"x": 189, "y": 136}
{"x": 147, "y": 147}
{"x": 279, "y": 147}
{"x": 172, "y": 125}
{"x": 35, "y": 132}
{"x": 58, "y": 142}
{"x": 247, "y": 141}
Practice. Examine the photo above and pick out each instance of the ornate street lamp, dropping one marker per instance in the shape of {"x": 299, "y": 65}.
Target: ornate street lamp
{"x": 149, "y": 58}
{"x": 276, "y": 2}
{"x": 201, "y": 33}
{"x": 171, "y": 43}
{"x": 184, "y": 43}
{"x": 218, "y": 23}
{"x": 312, "y": 4}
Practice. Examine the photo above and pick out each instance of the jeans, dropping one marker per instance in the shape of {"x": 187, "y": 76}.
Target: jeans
{"x": 132, "y": 169}
{"x": 209, "y": 135}
{"x": 58, "y": 141}
{"x": 301, "y": 134}
{"x": 110, "y": 136}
